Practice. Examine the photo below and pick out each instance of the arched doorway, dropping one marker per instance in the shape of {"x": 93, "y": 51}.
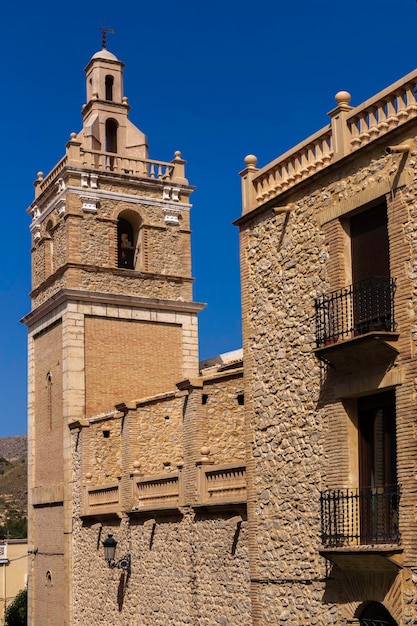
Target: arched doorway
{"x": 375, "y": 614}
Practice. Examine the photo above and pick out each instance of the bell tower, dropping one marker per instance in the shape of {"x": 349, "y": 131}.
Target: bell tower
{"x": 112, "y": 314}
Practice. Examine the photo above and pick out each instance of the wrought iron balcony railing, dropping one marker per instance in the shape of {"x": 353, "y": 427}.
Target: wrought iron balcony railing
{"x": 363, "y": 516}
{"x": 355, "y": 310}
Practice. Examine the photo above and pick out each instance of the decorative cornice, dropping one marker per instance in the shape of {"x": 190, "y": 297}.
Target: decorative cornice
{"x": 100, "y": 194}
{"x": 137, "y": 302}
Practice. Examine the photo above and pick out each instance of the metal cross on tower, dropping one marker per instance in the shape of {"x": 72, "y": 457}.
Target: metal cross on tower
{"x": 104, "y": 32}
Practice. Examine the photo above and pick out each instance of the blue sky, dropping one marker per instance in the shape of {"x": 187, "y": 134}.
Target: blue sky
{"x": 217, "y": 81}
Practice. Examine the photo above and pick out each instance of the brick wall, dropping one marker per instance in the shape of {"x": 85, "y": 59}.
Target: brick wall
{"x": 48, "y": 589}
{"x": 127, "y": 360}
{"x": 48, "y": 422}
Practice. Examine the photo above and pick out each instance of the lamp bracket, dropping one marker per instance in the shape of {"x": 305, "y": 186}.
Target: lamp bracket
{"x": 123, "y": 563}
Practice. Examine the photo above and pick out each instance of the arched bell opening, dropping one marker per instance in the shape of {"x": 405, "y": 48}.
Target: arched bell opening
{"x": 128, "y": 240}
{"x": 375, "y": 614}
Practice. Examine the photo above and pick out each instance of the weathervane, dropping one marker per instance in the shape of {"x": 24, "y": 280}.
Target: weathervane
{"x": 104, "y": 32}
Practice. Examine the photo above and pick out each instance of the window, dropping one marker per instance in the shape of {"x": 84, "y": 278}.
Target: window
{"x": 109, "y": 87}
{"x": 111, "y": 135}
{"x": 371, "y": 270}
{"x": 378, "y": 468}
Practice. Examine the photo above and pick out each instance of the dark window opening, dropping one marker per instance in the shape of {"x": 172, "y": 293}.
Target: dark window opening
{"x": 241, "y": 399}
{"x": 106, "y": 434}
{"x": 125, "y": 245}
{"x": 371, "y": 270}
{"x": 204, "y": 398}
{"x": 109, "y": 87}
{"x": 49, "y": 398}
{"x": 378, "y": 468}
{"x": 111, "y": 135}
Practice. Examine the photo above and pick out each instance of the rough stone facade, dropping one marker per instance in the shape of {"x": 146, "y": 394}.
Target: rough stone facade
{"x": 189, "y": 556}
{"x": 305, "y": 382}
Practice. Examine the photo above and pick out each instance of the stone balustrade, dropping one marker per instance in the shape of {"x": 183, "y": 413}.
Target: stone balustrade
{"x": 101, "y": 161}
{"x": 110, "y": 162}
{"x": 386, "y": 110}
{"x": 222, "y": 484}
{"x": 101, "y": 499}
{"x": 163, "y": 491}
{"x": 350, "y": 129}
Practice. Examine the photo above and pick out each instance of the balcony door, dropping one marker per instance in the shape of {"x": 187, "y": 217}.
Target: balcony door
{"x": 370, "y": 270}
{"x": 377, "y": 469}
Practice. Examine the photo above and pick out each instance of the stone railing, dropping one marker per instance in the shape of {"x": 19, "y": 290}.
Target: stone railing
{"x": 110, "y": 162}
{"x": 42, "y": 183}
{"x": 222, "y": 484}
{"x": 101, "y": 499}
{"x": 163, "y": 491}
{"x": 350, "y": 128}
{"x": 386, "y": 110}
{"x": 77, "y": 156}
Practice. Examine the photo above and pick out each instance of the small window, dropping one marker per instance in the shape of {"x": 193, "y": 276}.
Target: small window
{"x": 240, "y": 399}
{"x": 204, "y": 398}
{"x": 111, "y": 135}
{"x": 49, "y": 398}
{"x": 109, "y": 88}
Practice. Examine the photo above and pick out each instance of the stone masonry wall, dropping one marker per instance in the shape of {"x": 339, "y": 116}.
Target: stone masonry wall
{"x": 285, "y": 262}
{"x": 225, "y": 420}
{"x": 189, "y": 565}
{"x": 157, "y": 436}
{"x": 90, "y": 239}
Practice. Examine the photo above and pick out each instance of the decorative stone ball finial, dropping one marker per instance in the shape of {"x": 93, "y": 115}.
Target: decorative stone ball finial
{"x": 251, "y": 160}
{"x": 343, "y": 97}
{"x": 88, "y": 477}
{"x": 205, "y": 451}
{"x": 177, "y": 154}
{"x": 40, "y": 175}
{"x": 73, "y": 136}
{"x": 125, "y": 100}
{"x": 136, "y": 466}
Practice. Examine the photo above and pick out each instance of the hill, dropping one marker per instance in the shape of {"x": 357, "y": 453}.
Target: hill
{"x": 14, "y": 448}
{"x": 13, "y": 487}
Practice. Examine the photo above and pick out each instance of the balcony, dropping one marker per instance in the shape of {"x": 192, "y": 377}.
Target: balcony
{"x": 355, "y": 310}
{"x": 357, "y": 320}
{"x": 358, "y": 517}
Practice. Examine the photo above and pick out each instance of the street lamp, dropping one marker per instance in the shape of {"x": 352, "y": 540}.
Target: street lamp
{"x": 109, "y": 546}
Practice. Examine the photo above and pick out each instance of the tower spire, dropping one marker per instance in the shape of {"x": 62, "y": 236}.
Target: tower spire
{"x": 104, "y": 32}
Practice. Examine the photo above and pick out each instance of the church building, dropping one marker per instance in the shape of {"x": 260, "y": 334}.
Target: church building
{"x": 167, "y": 491}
